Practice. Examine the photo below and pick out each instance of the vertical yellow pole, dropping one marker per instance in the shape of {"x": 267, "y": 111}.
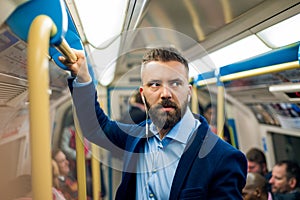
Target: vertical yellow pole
{"x": 38, "y": 79}
{"x": 96, "y": 172}
{"x": 80, "y": 160}
{"x": 194, "y": 99}
{"x": 220, "y": 111}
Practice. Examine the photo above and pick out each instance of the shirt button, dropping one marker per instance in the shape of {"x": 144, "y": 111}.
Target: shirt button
{"x": 151, "y": 195}
{"x": 154, "y": 171}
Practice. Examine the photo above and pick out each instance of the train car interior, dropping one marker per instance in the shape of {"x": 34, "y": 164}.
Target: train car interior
{"x": 243, "y": 56}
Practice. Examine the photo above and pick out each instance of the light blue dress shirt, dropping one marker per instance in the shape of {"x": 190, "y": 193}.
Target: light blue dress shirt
{"x": 157, "y": 166}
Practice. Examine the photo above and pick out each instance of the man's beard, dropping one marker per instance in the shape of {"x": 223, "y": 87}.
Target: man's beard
{"x": 166, "y": 120}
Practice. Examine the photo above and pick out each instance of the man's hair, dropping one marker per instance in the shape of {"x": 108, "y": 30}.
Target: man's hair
{"x": 138, "y": 97}
{"x": 256, "y": 155}
{"x": 164, "y": 55}
{"x": 292, "y": 170}
{"x": 209, "y": 106}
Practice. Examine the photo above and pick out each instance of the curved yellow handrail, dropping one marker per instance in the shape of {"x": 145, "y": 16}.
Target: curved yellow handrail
{"x": 40, "y": 31}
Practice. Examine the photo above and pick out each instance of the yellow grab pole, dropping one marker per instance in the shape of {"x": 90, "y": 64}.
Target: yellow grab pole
{"x": 96, "y": 172}
{"x": 207, "y": 82}
{"x": 80, "y": 160}
{"x": 261, "y": 71}
{"x": 252, "y": 72}
{"x": 65, "y": 49}
{"x": 195, "y": 100}
{"x": 40, "y": 31}
{"x": 220, "y": 111}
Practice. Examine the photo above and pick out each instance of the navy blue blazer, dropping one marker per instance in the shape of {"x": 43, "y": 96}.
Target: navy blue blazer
{"x": 209, "y": 168}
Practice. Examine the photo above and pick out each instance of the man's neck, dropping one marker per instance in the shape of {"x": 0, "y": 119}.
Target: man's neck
{"x": 163, "y": 132}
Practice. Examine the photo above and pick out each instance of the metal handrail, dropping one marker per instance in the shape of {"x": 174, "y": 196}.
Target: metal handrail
{"x": 252, "y": 72}
{"x": 41, "y": 29}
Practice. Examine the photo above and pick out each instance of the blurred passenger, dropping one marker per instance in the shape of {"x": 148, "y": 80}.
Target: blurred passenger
{"x": 285, "y": 180}
{"x": 57, "y": 194}
{"x": 257, "y": 161}
{"x": 209, "y": 112}
{"x": 256, "y": 187}
{"x": 136, "y": 113}
{"x": 67, "y": 183}
{"x": 68, "y": 146}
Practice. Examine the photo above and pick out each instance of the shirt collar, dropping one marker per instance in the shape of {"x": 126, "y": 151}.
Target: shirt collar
{"x": 182, "y": 130}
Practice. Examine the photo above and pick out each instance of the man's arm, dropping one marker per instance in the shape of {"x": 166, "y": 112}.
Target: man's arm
{"x": 230, "y": 176}
{"x": 95, "y": 125}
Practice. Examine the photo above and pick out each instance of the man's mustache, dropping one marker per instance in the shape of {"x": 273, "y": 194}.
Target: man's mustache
{"x": 167, "y": 103}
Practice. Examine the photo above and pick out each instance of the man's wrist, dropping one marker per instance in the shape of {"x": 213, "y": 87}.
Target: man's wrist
{"x": 77, "y": 83}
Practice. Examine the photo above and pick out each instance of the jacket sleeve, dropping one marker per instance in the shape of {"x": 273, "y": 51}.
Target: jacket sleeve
{"x": 95, "y": 125}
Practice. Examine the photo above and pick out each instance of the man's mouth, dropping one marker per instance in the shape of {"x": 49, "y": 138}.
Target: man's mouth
{"x": 168, "y": 109}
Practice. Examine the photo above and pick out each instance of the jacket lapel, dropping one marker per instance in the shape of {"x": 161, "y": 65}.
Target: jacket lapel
{"x": 191, "y": 151}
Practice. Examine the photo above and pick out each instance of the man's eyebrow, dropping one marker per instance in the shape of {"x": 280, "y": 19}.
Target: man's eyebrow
{"x": 176, "y": 79}
{"x": 154, "y": 80}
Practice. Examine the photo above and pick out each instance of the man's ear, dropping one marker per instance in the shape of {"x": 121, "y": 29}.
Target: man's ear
{"x": 292, "y": 182}
{"x": 190, "y": 92}
{"x": 257, "y": 192}
{"x": 142, "y": 95}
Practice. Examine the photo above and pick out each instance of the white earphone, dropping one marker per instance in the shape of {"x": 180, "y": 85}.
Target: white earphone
{"x": 146, "y": 110}
{"x": 143, "y": 99}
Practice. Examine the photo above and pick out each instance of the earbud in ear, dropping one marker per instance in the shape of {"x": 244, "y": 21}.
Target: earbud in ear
{"x": 143, "y": 99}
{"x": 189, "y": 97}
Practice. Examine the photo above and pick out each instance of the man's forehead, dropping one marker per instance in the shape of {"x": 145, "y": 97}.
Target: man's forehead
{"x": 166, "y": 64}
{"x": 162, "y": 70}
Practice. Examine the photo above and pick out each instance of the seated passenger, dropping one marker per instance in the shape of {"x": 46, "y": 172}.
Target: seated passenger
{"x": 255, "y": 188}
{"x": 56, "y": 193}
{"x": 67, "y": 183}
{"x": 285, "y": 180}
{"x": 257, "y": 161}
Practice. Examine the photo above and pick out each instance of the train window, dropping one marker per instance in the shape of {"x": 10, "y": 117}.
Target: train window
{"x": 264, "y": 114}
{"x": 286, "y": 147}
{"x": 286, "y": 115}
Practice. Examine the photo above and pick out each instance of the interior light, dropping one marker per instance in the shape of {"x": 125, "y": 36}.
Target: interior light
{"x": 105, "y": 62}
{"x": 101, "y": 19}
{"x": 200, "y": 66}
{"x": 238, "y": 51}
{"x": 108, "y": 75}
{"x": 283, "y": 33}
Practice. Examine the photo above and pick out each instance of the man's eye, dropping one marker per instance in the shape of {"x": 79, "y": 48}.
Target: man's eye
{"x": 175, "y": 84}
{"x": 154, "y": 84}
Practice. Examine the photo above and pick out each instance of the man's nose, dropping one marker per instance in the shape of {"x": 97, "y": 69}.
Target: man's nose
{"x": 166, "y": 92}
